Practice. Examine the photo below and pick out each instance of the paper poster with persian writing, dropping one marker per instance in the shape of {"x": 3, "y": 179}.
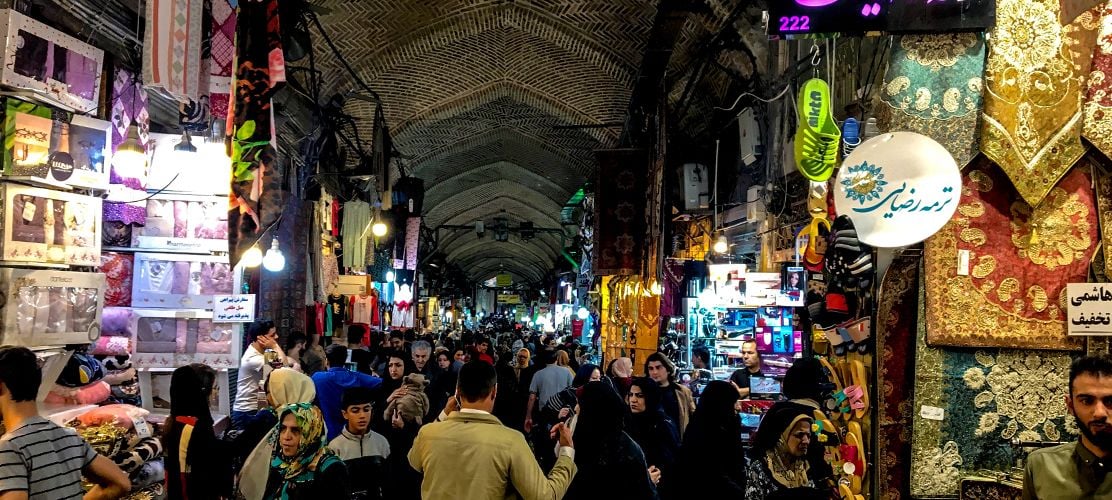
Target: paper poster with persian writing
{"x": 934, "y": 86}
{"x": 1034, "y": 81}
{"x": 996, "y": 274}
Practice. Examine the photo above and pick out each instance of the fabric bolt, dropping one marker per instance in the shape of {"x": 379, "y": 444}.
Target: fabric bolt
{"x": 412, "y": 241}
{"x": 895, "y": 344}
{"x": 142, "y": 451}
{"x": 255, "y": 200}
{"x": 216, "y": 278}
{"x": 150, "y": 473}
{"x": 933, "y": 86}
{"x": 1033, "y": 86}
{"x": 1020, "y": 259}
{"x": 620, "y": 211}
{"x": 356, "y": 229}
{"x": 117, "y": 269}
{"x": 129, "y": 108}
{"x": 172, "y": 59}
{"x": 1097, "y": 126}
{"x": 990, "y": 397}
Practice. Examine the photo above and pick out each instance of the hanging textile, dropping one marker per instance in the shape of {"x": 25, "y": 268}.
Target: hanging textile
{"x": 172, "y": 47}
{"x": 1020, "y": 260}
{"x": 989, "y": 397}
{"x": 620, "y": 211}
{"x": 1073, "y": 8}
{"x": 355, "y": 232}
{"x": 934, "y": 86}
{"x": 895, "y": 325}
{"x": 1098, "y": 99}
{"x": 412, "y": 241}
{"x": 254, "y": 203}
{"x": 283, "y": 293}
{"x": 127, "y": 191}
{"x": 1034, "y": 79}
{"x": 221, "y": 54}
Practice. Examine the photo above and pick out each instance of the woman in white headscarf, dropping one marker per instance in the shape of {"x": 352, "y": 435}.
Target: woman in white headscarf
{"x": 285, "y": 386}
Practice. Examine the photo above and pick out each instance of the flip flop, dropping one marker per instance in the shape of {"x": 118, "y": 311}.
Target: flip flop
{"x": 817, "y": 129}
{"x": 854, "y": 429}
{"x": 811, "y": 257}
{"x": 851, "y": 136}
{"x": 845, "y": 492}
{"x": 860, "y": 378}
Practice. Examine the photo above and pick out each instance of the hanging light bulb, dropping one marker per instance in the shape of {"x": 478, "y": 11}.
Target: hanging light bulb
{"x": 131, "y": 158}
{"x": 390, "y": 276}
{"x": 252, "y": 257}
{"x": 721, "y": 245}
{"x": 378, "y": 228}
{"x": 274, "y": 261}
{"x": 582, "y": 313}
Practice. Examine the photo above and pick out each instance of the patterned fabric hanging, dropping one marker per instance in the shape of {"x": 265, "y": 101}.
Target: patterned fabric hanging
{"x": 1020, "y": 260}
{"x": 895, "y": 325}
{"x": 620, "y": 211}
{"x": 1098, "y": 98}
{"x": 172, "y": 47}
{"x": 260, "y": 71}
{"x": 1034, "y": 80}
{"x": 221, "y": 53}
{"x": 129, "y": 107}
{"x": 934, "y": 86}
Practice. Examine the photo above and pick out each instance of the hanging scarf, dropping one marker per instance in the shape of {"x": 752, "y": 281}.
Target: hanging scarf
{"x": 786, "y": 469}
{"x": 312, "y": 453}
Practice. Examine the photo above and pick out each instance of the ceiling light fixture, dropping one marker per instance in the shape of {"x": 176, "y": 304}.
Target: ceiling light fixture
{"x": 721, "y": 245}
{"x": 253, "y": 257}
{"x": 131, "y": 157}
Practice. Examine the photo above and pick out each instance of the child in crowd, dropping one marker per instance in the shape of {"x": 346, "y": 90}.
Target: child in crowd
{"x": 363, "y": 450}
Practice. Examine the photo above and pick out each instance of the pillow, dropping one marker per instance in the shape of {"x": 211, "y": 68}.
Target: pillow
{"x": 122, "y": 415}
{"x": 116, "y": 321}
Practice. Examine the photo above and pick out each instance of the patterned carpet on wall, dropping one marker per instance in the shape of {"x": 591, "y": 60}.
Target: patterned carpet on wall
{"x": 895, "y": 330}
{"x": 990, "y": 396}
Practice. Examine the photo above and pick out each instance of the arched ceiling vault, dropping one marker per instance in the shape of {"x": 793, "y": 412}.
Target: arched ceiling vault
{"x": 497, "y": 105}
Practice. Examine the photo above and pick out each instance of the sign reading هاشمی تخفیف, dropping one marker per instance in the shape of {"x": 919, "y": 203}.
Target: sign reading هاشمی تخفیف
{"x": 1089, "y": 308}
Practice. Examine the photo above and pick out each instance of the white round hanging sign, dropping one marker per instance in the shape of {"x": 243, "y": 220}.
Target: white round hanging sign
{"x": 898, "y": 188}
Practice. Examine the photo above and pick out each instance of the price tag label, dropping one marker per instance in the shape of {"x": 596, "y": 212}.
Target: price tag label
{"x": 932, "y": 413}
{"x": 142, "y": 428}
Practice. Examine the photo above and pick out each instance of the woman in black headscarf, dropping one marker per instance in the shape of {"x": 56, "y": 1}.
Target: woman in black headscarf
{"x": 609, "y": 462}
{"x": 806, "y": 383}
{"x": 778, "y": 465}
{"x": 196, "y": 465}
{"x": 651, "y": 428}
{"x": 712, "y": 460}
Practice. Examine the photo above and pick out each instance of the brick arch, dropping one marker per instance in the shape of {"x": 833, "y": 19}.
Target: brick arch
{"x": 474, "y": 197}
{"x": 498, "y": 170}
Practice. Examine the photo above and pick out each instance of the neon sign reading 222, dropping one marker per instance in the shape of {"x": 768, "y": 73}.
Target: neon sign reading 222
{"x": 894, "y": 16}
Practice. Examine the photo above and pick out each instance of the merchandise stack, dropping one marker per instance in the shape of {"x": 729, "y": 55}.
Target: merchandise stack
{"x": 163, "y": 275}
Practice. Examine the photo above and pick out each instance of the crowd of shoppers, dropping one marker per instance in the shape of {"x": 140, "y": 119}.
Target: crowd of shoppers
{"x": 492, "y": 416}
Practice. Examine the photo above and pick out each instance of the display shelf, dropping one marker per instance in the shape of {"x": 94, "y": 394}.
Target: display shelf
{"x": 168, "y": 251}
{"x": 36, "y": 265}
{"x": 38, "y": 182}
{"x": 147, "y": 387}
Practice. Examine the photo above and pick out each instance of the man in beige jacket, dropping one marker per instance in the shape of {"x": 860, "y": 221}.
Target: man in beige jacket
{"x": 469, "y": 453}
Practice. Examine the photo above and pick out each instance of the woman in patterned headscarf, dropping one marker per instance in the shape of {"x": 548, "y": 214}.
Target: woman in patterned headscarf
{"x": 303, "y": 467}
{"x": 778, "y": 465}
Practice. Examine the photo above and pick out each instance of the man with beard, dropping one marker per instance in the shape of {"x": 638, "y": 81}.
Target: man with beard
{"x": 1079, "y": 470}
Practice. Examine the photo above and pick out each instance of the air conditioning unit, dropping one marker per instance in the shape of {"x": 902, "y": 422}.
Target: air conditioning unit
{"x": 696, "y": 193}
{"x": 749, "y": 134}
{"x": 754, "y": 204}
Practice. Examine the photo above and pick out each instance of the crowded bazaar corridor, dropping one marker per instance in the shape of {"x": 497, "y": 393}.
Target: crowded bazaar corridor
{"x": 555, "y": 249}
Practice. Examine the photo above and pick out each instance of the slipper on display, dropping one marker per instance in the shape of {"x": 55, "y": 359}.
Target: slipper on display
{"x": 818, "y": 137}
{"x": 817, "y": 230}
{"x": 851, "y": 135}
{"x": 860, "y": 379}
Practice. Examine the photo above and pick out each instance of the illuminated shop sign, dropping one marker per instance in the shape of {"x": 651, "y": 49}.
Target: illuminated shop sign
{"x": 801, "y": 17}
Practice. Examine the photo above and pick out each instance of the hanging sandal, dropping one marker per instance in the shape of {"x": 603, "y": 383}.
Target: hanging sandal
{"x": 860, "y": 378}
{"x": 818, "y": 138}
{"x": 855, "y": 437}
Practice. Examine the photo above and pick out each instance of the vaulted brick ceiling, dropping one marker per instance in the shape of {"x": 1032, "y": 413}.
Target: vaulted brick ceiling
{"x": 479, "y": 94}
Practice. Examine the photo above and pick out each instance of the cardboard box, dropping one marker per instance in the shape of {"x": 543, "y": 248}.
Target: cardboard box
{"x": 51, "y": 227}
{"x": 56, "y": 68}
{"x": 49, "y": 307}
